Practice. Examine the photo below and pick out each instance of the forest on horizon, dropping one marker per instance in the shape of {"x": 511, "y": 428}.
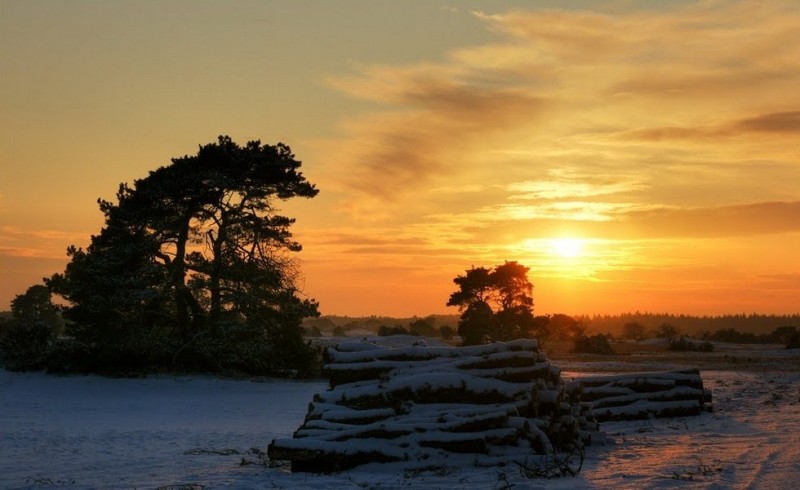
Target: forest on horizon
{"x": 598, "y": 323}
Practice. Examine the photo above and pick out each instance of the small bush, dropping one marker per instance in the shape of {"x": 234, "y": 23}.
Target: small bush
{"x": 595, "y": 344}
{"x": 556, "y": 465}
{"x": 25, "y": 346}
{"x": 422, "y": 328}
{"x": 385, "y": 331}
{"x": 685, "y": 345}
{"x": 793, "y": 341}
{"x": 447, "y": 332}
{"x": 70, "y": 357}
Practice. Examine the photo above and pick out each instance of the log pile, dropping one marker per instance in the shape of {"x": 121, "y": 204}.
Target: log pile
{"x": 423, "y": 403}
{"x": 634, "y": 396}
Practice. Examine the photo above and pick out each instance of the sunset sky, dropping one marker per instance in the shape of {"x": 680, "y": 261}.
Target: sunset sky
{"x": 635, "y": 155}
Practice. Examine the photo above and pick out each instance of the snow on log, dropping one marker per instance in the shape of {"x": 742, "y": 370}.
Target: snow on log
{"x": 422, "y": 403}
{"x": 644, "y": 395}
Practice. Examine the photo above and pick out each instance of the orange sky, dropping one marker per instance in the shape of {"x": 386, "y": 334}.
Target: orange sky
{"x": 662, "y": 138}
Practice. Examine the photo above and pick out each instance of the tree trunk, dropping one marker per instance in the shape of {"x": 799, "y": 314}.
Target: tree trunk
{"x": 179, "y": 283}
{"x": 215, "y": 276}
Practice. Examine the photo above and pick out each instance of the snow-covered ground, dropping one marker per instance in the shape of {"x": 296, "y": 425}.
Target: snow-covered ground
{"x": 93, "y": 432}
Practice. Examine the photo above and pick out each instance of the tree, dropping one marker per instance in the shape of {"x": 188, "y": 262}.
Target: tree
{"x": 565, "y": 327}
{"x": 633, "y": 331}
{"x": 476, "y": 321}
{"x": 36, "y": 304}
{"x": 496, "y": 304}
{"x": 668, "y": 331}
{"x": 423, "y": 327}
{"x": 27, "y": 340}
{"x": 195, "y": 253}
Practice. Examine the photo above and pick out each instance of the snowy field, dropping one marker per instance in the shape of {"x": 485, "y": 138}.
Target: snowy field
{"x": 194, "y": 432}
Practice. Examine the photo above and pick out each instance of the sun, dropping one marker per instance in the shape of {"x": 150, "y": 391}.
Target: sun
{"x": 566, "y": 247}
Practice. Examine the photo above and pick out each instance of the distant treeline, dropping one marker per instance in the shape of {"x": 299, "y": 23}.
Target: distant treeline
{"x": 613, "y": 324}
{"x": 327, "y": 323}
{"x": 688, "y": 324}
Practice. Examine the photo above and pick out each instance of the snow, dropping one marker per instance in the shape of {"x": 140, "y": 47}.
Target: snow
{"x": 94, "y": 432}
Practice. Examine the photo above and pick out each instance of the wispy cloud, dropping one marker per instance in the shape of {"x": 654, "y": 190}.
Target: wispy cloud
{"x": 731, "y": 220}
{"x": 559, "y": 83}
{"x": 777, "y": 122}
{"x": 32, "y": 243}
{"x": 780, "y": 123}
{"x": 572, "y": 187}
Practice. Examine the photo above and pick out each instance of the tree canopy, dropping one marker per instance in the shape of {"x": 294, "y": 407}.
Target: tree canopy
{"x": 36, "y": 305}
{"x": 195, "y": 254}
{"x": 496, "y": 303}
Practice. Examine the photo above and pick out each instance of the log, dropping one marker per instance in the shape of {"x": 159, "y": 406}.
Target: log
{"x": 321, "y": 458}
{"x": 419, "y": 404}
{"x": 649, "y": 409}
{"x": 642, "y": 395}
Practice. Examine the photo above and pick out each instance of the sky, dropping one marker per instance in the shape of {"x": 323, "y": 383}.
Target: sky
{"x": 636, "y": 155}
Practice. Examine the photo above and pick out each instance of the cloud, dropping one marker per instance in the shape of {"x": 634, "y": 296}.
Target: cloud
{"x": 730, "y": 220}
{"x": 392, "y": 153}
{"x": 18, "y": 242}
{"x": 565, "y": 185}
{"x": 561, "y": 81}
{"x": 621, "y": 222}
{"x": 778, "y": 122}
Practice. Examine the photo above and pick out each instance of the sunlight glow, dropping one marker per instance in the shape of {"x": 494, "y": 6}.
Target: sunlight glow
{"x": 566, "y": 247}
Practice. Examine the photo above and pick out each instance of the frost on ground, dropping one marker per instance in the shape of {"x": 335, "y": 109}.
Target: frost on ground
{"x": 92, "y": 432}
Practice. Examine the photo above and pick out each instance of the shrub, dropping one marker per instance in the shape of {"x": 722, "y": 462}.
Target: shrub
{"x": 68, "y": 356}
{"x": 423, "y": 328}
{"x": 385, "y": 331}
{"x": 25, "y": 346}
{"x": 793, "y": 341}
{"x": 595, "y": 344}
{"x": 447, "y": 332}
{"x": 683, "y": 344}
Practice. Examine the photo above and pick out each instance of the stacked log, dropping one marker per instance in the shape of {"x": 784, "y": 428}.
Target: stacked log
{"x": 423, "y": 403}
{"x": 634, "y": 396}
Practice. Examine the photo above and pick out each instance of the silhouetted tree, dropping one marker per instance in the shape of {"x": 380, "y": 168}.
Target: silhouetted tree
{"x": 668, "y": 331}
{"x": 593, "y": 344}
{"x": 423, "y": 327}
{"x": 195, "y": 250}
{"x": 476, "y": 321}
{"x": 496, "y": 304}
{"x": 565, "y": 327}
{"x": 36, "y": 304}
{"x": 787, "y": 335}
{"x": 542, "y": 329}
{"x": 633, "y": 331}
{"x": 27, "y": 340}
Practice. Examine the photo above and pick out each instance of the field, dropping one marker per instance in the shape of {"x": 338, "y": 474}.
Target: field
{"x": 195, "y": 432}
